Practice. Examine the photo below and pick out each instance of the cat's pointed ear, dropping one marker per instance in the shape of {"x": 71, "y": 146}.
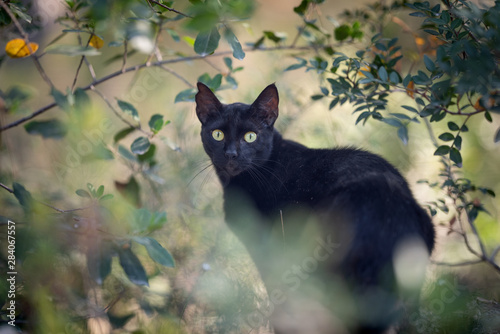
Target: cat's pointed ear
{"x": 207, "y": 104}
{"x": 265, "y": 107}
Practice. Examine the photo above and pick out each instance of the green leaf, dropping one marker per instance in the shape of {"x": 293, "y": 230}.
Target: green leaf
{"x": 342, "y": 32}
{"x": 231, "y": 38}
{"x": 126, "y": 153}
{"x": 122, "y": 134}
{"x": 52, "y": 128}
{"x": 132, "y": 266}
{"x": 446, "y": 136}
{"x": 394, "y": 77}
{"x": 458, "y": 142}
{"x": 82, "y": 193}
{"x": 442, "y": 150}
{"x": 186, "y": 95}
{"x": 92, "y": 190}
{"x": 100, "y": 191}
{"x": 140, "y": 145}
{"x": 72, "y": 50}
{"x": 382, "y": 74}
{"x": 106, "y": 197}
{"x": 302, "y": 63}
{"x": 207, "y": 42}
{"x": 403, "y": 134}
{"x": 429, "y": 64}
{"x": 99, "y": 261}
{"x": 128, "y": 109}
{"x": 156, "y": 251}
{"x": 455, "y": 156}
{"x": 156, "y": 123}
{"x": 130, "y": 190}
{"x": 82, "y": 100}
{"x": 275, "y": 37}
{"x": 60, "y": 99}
{"x": 23, "y": 196}
{"x": 453, "y": 126}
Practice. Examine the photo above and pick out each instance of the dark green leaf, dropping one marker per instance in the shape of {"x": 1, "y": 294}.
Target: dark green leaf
{"x": 410, "y": 109}
{"x": 82, "y": 100}
{"x": 429, "y": 64}
{"x": 128, "y": 109}
{"x": 60, "y": 99}
{"x": 382, "y": 74}
{"x": 132, "y": 266}
{"x": 229, "y": 63}
{"x": 442, "y": 150}
{"x": 342, "y": 32}
{"x": 149, "y": 155}
{"x": 99, "y": 261}
{"x": 52, "y": 128}
{"x": 140, "y": 145}
{"x": 120, "y": 321}
{"x": 453, "y": 126}
{"x": 403, "y": 134}
{"x": 302, "y": 8}
{"x": 156, "y": 251}
{"x": 186, "y": 95}
{"x": 82, "y": 193}
{"x": 446, "y": 136}
{"x": 23, "y": 196}
{"x": 487, "y": 115}
{"x": 231, "y": 38}
{"x": 394, "y": 77}
{"x": 207, "y": 42}
{"x": 455, "y": 156}
{"x": 130, "y": 190}
{"x": 156, "y": 123}
{"x": 275, "y": 37}
{"x": 126, "y": 153}
{"x": 458, "y": 142}
{"x": 122, "y": 134}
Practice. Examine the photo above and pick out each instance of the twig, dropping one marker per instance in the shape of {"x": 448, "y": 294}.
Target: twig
{"x": 28, "y": 45}
{"x": 144, "y": 65}
{"x": 47, "y": 205}
{"x": 169, "y": 8}
{"x": 110, "y": 105}
{"x": 457, "y": 264}
{"x": 6, "y": 188}
{"x": 177, "y": 75}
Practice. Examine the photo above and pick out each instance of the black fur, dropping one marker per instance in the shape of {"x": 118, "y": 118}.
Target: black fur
{"x": 273, "y": 185}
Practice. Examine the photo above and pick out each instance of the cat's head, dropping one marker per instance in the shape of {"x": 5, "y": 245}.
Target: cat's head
{"x": 237, "y": 137}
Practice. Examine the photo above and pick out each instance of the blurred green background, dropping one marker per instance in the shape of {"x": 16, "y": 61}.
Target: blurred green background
{"x": 214, "y": 285}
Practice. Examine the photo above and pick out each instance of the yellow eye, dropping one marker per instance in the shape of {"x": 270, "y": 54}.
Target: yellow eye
{"x": 250, "y": 137}
{"x": 218, "y": 135}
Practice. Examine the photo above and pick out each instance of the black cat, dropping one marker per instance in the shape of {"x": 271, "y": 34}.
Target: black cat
{"x": 324, "y": 226}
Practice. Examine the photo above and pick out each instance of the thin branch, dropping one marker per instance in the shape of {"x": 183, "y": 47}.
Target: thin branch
{"x": 177, "y": 75}
{"x": 28, "y": 45}
{"x": 110, "y": 105}
{"x": 144, "y": 65}
{"x": 6, "y": 188}
{"x": 47, "y": 205}
{"x": 457, "y": 264}
{"x": 169, "y": 8}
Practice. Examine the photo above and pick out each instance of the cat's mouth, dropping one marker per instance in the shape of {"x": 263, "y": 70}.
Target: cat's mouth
{"x": 233, "y": 168}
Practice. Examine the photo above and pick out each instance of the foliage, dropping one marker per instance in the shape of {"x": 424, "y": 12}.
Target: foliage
{"x": 451, "y": 80}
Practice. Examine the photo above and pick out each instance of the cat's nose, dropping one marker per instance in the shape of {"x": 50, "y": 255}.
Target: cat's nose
{"x": 231, "y": 154}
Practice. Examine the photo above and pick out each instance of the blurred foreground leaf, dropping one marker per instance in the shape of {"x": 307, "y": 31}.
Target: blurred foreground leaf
{"x": 156, "y": 251}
